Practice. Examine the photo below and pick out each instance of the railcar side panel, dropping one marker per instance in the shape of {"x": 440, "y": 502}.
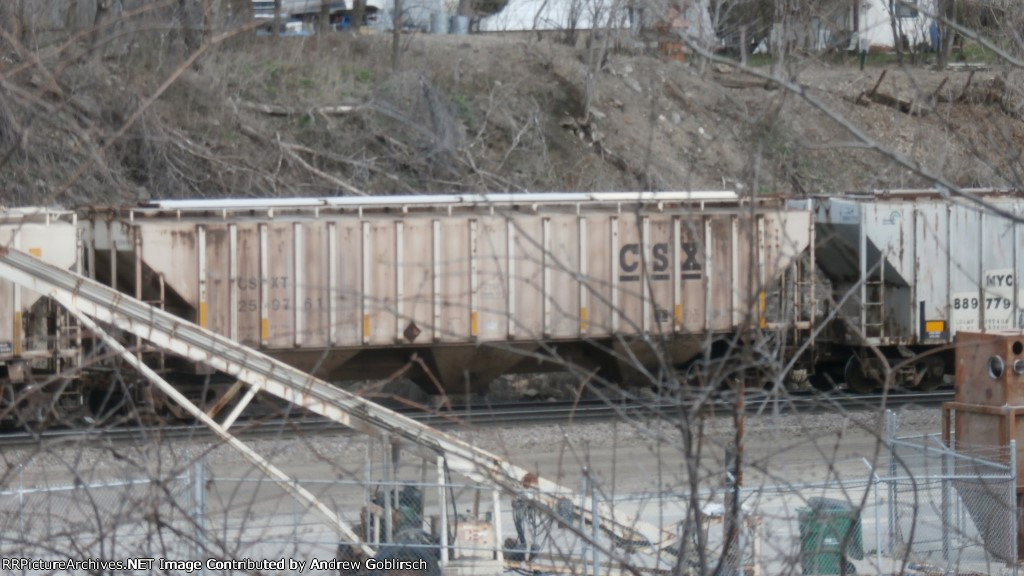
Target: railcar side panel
{"x": 248, "y": 284}
{"x": 214, "y": 293}
{"x": 349, "y": 326}
{"x": 379, "y": 316}
{"x": 598, "y": 279}
{"x": 691, "y": 264}
{"x": 528, "y": 279}
{"x": 455, "y": 285}
{"x": 417, "y": 280}
{"x": 660, "y": 272}
{"x": 997, "y": 308}
{"x": 965, "y": 268}
{"x": 313, "y": 284}
{"x": 932, "y": 271}
{"x": 493, "y": 285}
{"x": 454, "y": 267}
{"x": 721, "y": 298}
{"x": 563, "y": 262}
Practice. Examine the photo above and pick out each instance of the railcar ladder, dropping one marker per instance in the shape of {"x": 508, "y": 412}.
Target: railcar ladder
{"x": 93, "y": 303}
{"x": 874, "y": 308}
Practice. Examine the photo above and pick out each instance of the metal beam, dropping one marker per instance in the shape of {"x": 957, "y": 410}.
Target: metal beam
{"x": 84, "y": 296}
{"x": 283, "y": 480}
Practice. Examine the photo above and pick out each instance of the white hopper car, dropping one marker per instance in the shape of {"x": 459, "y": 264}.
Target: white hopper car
{"x": 474, "y": 286}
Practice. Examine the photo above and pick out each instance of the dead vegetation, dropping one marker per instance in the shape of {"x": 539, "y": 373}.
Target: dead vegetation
{"x": 326, "y": 115}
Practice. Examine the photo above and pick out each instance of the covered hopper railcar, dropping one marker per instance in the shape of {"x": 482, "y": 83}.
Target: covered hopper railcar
{"x": 475, "y": 286}
{"x": 38, "y": 339}
{"x": 908, "y": 269}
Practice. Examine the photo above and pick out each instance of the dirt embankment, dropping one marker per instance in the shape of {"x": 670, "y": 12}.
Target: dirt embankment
{"x": 327, "y": 116}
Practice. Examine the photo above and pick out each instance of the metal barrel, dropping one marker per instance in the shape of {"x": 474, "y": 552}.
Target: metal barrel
{"x": 460, "y": 25}
{"x": 438, "y": 23}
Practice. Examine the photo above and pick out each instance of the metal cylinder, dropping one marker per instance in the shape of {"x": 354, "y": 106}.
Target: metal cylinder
{"x": 438, "y": 23}
{"x": 460, "y": 25}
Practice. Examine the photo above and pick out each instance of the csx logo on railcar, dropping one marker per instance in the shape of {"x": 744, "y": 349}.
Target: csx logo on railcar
{"x": 630, "y": 260}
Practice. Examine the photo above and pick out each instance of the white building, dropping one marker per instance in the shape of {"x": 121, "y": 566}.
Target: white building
{"x": 529, "y": 15}
{"x": 875, "y": 22}
{"x": 911, "y": 19}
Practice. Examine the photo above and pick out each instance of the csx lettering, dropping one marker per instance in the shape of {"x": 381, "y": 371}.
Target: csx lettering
{"x": 630, "y": 260}
{"x": 691, "y": 267}
{"x": 253, "y": 282}
{"x": 627, "y": 264}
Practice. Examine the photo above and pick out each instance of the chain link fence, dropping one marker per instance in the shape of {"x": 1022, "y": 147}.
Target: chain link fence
{"x": 119, "y": 518}
{"x": 919, "y": 507}
{"x": 949, "y": 509}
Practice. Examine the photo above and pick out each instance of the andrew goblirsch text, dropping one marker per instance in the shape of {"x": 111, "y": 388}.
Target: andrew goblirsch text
{"x": 165, "y": 565}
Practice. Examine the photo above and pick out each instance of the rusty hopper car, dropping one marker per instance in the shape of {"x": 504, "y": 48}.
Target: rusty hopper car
{"x": 37, "y": 338}
{"x": 908, "y": 270}
{"x": 474, "y": 286}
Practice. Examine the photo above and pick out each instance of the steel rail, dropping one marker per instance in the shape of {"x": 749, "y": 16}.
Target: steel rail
{"x": 495, "y": 415}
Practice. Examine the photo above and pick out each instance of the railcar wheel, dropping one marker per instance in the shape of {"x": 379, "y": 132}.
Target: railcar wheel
{"x": 932, "y": 371}
{"x": 857, "y": 378}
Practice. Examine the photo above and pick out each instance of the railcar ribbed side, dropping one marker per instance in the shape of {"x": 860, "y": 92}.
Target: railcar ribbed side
{"x": 473, "y": 285}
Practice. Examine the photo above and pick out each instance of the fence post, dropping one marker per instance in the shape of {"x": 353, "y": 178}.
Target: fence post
{"x": 582, "y": 525}
{"x": 295, "y": 515}
{"x": 947, "y": 502}
{"x": 198, "y": 481}
{"x": 367, "y": 487}
{"x": 594, "y": 530}
{"x": 442, "y": 505}
{"x": 740, "y": 540}
{"x": 21, "y": 497}
{"x": 388, "y": 487}
{"x": 499, "y": 553}
{"x": 1015, "y": 517}
{"x": 891, "y": 424}
{"x": 878, "y": 520}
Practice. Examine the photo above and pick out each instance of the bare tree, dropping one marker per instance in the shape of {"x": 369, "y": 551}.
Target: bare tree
{"x": 325, "y": 16}
{"x": 358, "y": 15}
{"x": 396, "y": 35}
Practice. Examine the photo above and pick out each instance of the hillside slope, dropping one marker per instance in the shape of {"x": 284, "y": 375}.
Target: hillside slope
{"x": 326, "y": 116}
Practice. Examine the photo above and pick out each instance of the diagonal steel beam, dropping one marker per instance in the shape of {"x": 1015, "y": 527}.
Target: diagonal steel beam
{"x": 289, "y": 485}
{"x": 84, "y": 296}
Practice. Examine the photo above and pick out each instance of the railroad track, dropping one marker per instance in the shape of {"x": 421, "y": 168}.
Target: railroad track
{"x": 504, "y": 414}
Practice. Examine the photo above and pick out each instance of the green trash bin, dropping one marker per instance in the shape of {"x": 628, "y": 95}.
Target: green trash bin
{"x": 828, "y": 526}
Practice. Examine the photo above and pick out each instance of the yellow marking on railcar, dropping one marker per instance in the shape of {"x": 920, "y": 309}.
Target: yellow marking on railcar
{"x": 679, "y": 314}
{"x": 762, "y": 322}
{"x": 583, "y": 319}
{"x": 202, "y": 314}
{"x": 934, "y": 326}
{"x": 474, "y": 316}
{"x": 17, "y": 333}
{"x": 366, "y": 327}
{"x": 264, "y": 329}
{"x": 37, "y": 252}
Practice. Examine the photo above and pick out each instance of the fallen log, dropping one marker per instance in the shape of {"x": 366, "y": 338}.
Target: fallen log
{"x": 873, "y": 95}
{"x": 905, "y": 106}
{"x": 278, "y": 110}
